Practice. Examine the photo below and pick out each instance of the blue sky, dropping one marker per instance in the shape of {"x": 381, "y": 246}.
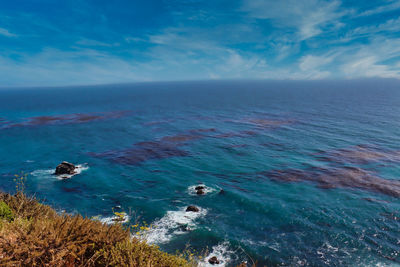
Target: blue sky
{"x": 47, "y": 42}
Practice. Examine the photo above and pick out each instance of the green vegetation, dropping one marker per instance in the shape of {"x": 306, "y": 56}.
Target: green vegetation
{"x": 33, "y": 234}
{"x": 5, "y": 212}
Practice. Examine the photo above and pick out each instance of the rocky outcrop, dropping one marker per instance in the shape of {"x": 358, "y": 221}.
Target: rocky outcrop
{"x": 213, "y": 260}
{"x": 192, "y": 209}
{"x": 65, "y": 168}
{"x": 200, "y": 192}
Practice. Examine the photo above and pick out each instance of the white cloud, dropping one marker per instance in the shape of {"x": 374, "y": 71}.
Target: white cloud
{"x": 94, "y": 43}
{"x": 6, "y": 33}
{"x": 195, "y": 56}
{"x": 369, "y": 67}
{"x": 236, "y": 65}
{"x": 372, "y": 60}
{"x": 209, "y": 61}
{"x": 308, "y": 17}
{"x": 293, "y": 74}
{"x": 379, "y": 58}
{"x": 390, "y": 6}
{"x": 389, "y": 26}
{"x": 310, "y": 62}
{"x": 55, "y": 67}
{"x": 88, "y": 66}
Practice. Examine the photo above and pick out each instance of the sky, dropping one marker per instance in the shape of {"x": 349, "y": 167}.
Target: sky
{"x": 72, "y": 42}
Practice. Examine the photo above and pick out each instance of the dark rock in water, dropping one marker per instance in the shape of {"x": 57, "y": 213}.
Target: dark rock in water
{"x": 117, "y": 208}
{"x": 192, "y": 208}
{"x": 65, "y": 168}
{"x": 221, "y": 192}
{"x": 118, "y": 219}
{"x": 200, "y": 192}
{"x": 185, "y": 228}
{"x": 200, "y": 187}
{"x": 213, "y": 260}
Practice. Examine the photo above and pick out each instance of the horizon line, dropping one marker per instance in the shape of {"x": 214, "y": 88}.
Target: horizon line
{"x": 16, "y": 87}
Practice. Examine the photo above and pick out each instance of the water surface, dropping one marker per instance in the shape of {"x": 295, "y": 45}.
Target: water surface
{"x": 309, "y": 171}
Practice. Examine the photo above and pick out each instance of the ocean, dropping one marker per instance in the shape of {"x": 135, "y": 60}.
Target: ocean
{"x": 295, "y": 173}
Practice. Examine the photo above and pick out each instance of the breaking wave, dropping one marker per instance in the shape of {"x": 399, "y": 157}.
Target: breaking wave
{"x": 172, "y": 224}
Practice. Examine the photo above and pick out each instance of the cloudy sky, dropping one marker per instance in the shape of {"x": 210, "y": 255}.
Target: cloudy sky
{"x": 47, "y": 42}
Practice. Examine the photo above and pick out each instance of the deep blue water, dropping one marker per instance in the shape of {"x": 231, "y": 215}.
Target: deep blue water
{"x": 310, "y": 171}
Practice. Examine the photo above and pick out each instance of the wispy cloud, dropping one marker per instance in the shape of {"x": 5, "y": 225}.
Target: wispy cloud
{"x": 6, "y": 33}
{"x": 56, "y": 67}
{"x": 371, "y": 60}
{"x": 379, "y": 58}
{"x": 389, "y": 26}
{"x": 369, "y": 67}
{"x": 309, "y": 17}
{"x": 310, "y": 62}
{"x": 93, "y": 43}
{"x": 390, "y": 5}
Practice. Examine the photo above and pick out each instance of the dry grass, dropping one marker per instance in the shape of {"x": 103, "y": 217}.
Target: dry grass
{"x": 38, "y": 236}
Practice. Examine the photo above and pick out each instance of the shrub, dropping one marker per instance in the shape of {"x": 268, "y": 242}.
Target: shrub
{"x": 38, "y": 236}
{"x": 5, "y": 212}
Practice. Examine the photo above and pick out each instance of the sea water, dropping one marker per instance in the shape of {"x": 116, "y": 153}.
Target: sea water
{"x": 295, "y": 173}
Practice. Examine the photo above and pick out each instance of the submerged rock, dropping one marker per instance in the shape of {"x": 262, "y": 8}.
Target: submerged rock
{"x": 65, "y": 168}
{"x": 200, "y": 187}
{"x": 192, "y": 208}
{"x": 213, "y": 260}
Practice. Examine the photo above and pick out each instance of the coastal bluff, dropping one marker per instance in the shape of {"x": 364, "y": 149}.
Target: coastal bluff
{"x": 33, "y": 234}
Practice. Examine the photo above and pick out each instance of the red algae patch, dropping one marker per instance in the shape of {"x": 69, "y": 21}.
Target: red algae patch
{"x": 267, "y": 122}
{"x": 236, "y": 134}
{"x": 43, "y": 120}
{"x": 3, "y": 121}
{"x": 166, "y": 147}
{"x": 257, "y": 123}
{"x": 262, "y": 122}
{"x": 360, "y": 154}
{"x": 158, "y": 122}
{"x": 143, "y": 151}
{"x": 179, "y": 138}
{"x": 65, "y": 119}
{"x": 189, "y": 136}
{"x": 202, "y": 131}
{"x": 346, "y": 177}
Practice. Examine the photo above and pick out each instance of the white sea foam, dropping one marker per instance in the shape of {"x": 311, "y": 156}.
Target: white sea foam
{"x": 172, "y": 224}
{"x": 223, "y": 253}
{"x": 42, "y": 173}
{"x": 114, "y": 219}
{"x": 192, "y": 191}
{"x": 253, "y": 243}
{"x": 49, "y": 173}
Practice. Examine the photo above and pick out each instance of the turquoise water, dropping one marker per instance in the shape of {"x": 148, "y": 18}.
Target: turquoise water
{"x": 309, "y": 171}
